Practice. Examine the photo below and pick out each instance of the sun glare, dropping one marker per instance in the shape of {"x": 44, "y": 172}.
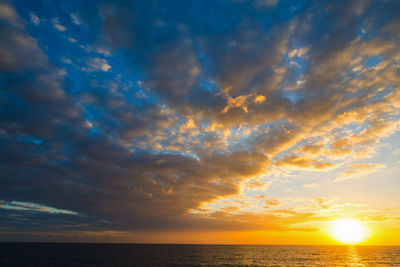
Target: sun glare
{"x": 349, "y": 231}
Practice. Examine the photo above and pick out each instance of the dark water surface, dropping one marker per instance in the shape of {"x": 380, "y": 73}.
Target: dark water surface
{"x": 80, "y": 254}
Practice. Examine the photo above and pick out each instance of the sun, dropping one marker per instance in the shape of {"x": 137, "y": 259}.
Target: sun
{"x": 348, "y": 231}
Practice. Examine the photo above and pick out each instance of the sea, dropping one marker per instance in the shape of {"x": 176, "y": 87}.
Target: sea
{"x": 83, "y": 254}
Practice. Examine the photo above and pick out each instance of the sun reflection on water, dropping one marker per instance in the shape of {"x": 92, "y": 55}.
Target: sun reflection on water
{"x": 354, "y": 258}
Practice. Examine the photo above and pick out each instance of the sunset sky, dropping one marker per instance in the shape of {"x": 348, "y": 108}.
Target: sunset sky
{"x": 196, "y": 121}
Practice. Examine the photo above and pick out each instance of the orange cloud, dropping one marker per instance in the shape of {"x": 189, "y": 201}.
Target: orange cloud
{"x": 303, "y": 162}
{"x": 357, "y": 170}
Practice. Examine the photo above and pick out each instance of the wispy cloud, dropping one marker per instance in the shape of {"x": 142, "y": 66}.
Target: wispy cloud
{"x": 28, "y": 206}
{"x": 357, "y": 170}
{"x": 34, "y": 18}
{"x": 96, "y": 64}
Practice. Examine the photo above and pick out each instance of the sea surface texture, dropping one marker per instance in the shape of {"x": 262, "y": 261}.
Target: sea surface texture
{"x": 59, "y": 254}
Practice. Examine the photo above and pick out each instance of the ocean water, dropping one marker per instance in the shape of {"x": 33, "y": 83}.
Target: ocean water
{"x": 79, "y": 254}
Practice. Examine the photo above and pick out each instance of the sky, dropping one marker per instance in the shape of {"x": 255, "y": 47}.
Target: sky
{"x": 196, "y": 121}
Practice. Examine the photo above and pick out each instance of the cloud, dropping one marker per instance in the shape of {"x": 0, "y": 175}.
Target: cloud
{"x": 258, "y": 184}
{"x": 218, "y": 112}
{"x": 57, "y": 25}
{"x": 17, "y": 205}
{"x": 263, "y": 3}
{"x": 96, "y": 64}
{"x": 298, "y": 52}
{"x": 8, "y": 14}
{"x": 356, "y": 170}
{"x": 76, "y": 19}
{"x": 311, "y": 149}
{"x": 34, "y": 18}
{"x": 19, "y": 51}
{"x": 72, "y": 40}
{"x": 303, "y": 162}
{"x": 271, "y": 202}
